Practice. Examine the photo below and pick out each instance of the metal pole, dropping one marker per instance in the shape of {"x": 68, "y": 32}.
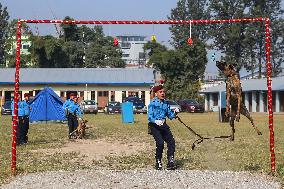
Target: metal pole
{"x": 87, "y": 92}
{"x": 269, "y": 93}
{"x": 16, "y": 99}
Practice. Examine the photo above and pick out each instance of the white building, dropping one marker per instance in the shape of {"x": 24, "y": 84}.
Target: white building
{"x": 99, "y": 84}
{"x": 210, "y": 80}
{"x": 254, "y": 95}
{"x": 25, "y": 45}
{"x": 132, "y": 49}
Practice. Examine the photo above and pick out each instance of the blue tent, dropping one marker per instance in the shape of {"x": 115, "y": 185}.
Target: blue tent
{"x": 47, "y": 106}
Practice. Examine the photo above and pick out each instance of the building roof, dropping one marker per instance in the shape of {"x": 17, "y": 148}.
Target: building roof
{"x": 104, "y": 76}
{"x": 252, "y": 85}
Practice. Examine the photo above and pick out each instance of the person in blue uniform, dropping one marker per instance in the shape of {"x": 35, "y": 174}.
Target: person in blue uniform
{"x": 21, "y": 121}
{"x": 27, "y": 110}
{"x": 73, "y": 113}
{"x": 158, "y": 110}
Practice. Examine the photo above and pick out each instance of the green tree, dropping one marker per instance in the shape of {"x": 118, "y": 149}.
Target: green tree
{"x": 49, "y": 52}
{"x": 75, "y": 44}
{"x": 38, "y": 52}
{"x": 70, "y": 31}
{"x": 229, "y": 37}
{"x": 188, "y": 10}
{"x": 267, "y": 9}
{"x": 10, "y": 45}
{"x": 4, "y": 16}
{"x": 56, "y": 56}
{"x": 101, "y": 52}
{"x": 75, "y": 52}
{"x": 153, "y": 47}
{"x": 244, "y": 43}
{"x": 183, "y": 67}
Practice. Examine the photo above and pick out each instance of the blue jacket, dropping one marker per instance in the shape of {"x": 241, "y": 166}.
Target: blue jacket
{"x": 26, "y": 107}
{"x": 21, "y": 110}
{"x": 72, "y": 107}
{"x": 159, "y": 110}
{"x": 75, "y": 109}
{"x": 67, "y": 104}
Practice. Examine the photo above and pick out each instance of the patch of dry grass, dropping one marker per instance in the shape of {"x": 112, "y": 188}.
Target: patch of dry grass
{"x": 249, "y": 152}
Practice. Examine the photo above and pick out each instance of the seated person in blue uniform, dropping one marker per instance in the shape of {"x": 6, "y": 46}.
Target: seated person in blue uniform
{"x": 158, "y": 110}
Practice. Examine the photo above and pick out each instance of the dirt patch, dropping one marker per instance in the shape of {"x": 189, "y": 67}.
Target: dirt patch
{"x": 99, "y": 149}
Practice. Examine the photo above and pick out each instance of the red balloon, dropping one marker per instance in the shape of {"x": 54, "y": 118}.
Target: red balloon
{"x": 189, "y": 41}
{"x": 115, "y": 42}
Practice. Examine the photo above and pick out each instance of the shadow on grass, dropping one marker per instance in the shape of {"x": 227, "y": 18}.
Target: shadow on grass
{"x": 181, "y": 162}
{"x": 40, "y": 141}
{"x": 252, "y": 167}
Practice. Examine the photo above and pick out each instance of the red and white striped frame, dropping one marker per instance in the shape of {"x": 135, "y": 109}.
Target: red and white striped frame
{"x": 97, "y": 22}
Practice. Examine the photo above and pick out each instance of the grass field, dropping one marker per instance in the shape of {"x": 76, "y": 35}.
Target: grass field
{"x": 249, "y": 152}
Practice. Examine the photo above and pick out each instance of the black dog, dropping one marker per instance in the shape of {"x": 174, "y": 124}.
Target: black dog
{"x": 234, "y": 96}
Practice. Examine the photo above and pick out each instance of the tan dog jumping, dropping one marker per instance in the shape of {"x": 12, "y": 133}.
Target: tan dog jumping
{"x": 234, "y": 103}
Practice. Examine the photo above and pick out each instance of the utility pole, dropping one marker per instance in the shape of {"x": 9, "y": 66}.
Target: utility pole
{"x": 84, "y": 49}
{"x": 84, "y": 58}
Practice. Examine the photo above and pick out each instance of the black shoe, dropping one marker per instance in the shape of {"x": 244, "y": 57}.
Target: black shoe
{"x": 159, "y": 164}
{"x": 171, "y": 163}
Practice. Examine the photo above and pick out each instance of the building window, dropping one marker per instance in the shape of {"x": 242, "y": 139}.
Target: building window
{"x": 123, "y": 96}
{"x": 25, "y": 46}
{"x": 81, "y": 93}
{"x": 112, "y": 97}
{"x": 257, "y": 101}
{"x": 207, "y": 96}
{"x": 250, "y": 102}
{"x": 142, "y": 55}
{"x": 31, "y": 93}
{"x": 132, "y": 93}
{"x": 93, "y": 95}
{"x": 103, "y": 93}
{"x": 265, "y": 101}
{"x": 36, "y": 92}
{"x": 125, "y": 45}
{"x": 281, "y": 98}
{"x": 143, "y": 96}
{"x": 125, "y": 55}
{"x": 215, "y": 99}
{"x": 273, "y": 101}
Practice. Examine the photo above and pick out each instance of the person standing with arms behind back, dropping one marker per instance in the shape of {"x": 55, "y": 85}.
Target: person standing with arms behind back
{"x": 21, "y": 121}
{"x": 158, "y": 110}
{"x": 27, "y": 109}
{"x": 67, "y": 108}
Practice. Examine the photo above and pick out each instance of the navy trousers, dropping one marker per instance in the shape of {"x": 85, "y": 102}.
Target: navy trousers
{"x": 72, "y": 123}
{"x": 27, "y": 126}
{"x": 161, "y": 134}
{"x": 21, "y": 130}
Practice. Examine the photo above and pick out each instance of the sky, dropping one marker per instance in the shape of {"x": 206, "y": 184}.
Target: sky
{"x": 101, "y": 10}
